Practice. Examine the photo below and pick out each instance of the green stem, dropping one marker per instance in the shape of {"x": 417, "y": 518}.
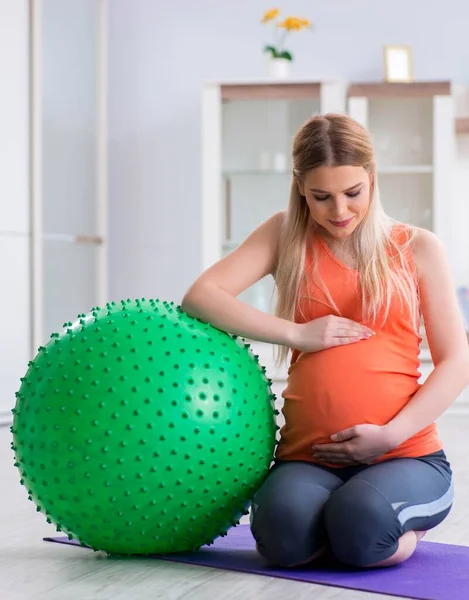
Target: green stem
{"x": 275, "y": 34}
{"x": 282, "y": 39}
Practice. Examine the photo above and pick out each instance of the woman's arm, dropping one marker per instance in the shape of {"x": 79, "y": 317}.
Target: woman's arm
{"x": 446, "y": 337}
{"x": 212, "y": 297}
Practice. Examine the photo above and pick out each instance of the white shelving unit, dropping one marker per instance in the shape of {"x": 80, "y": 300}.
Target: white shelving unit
{"x": 53, "y": 202}
{"x": 413, "y": 130}
{"x": 247, "y": 133}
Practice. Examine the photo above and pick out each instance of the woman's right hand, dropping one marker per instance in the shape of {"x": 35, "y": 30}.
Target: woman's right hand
{"x": 327, "y": 332}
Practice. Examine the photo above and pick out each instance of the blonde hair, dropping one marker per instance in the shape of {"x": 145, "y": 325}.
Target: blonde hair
{"x": 339, "y": 140}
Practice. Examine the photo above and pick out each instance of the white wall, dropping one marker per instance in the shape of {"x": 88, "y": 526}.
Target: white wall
{"x": 15, "y": 341}
{"x": 69, "y": 146}
{"x": 160, "y": 52}
{"x": 69, "y": 114}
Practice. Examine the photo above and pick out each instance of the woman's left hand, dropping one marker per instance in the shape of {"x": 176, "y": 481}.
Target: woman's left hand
{"x": 361, "y": 444}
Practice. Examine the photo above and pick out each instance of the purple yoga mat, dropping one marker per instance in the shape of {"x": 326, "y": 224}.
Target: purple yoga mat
{"x": 434, "y": 572}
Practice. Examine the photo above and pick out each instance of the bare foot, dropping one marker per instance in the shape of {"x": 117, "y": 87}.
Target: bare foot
{"x": 420, "y": 534}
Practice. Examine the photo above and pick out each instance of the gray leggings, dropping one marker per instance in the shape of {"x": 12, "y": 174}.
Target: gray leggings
{"x": 358, "y": 512}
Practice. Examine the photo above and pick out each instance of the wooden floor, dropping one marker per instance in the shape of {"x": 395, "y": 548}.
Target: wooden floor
{"x": 32, "y": 569}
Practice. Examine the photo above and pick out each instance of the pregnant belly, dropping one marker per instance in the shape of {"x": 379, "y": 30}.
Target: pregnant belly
{"x": 331, "y": 390}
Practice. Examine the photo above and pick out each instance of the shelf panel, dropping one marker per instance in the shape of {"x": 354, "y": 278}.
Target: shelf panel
{"x": 385, "y": 170}
{"x": 269, "y": 91}
{"x": 400, "y": 90}
{"x": 462, "y": 125}
{"x": 256, "y": 173}
{"x": 405, "y": 170}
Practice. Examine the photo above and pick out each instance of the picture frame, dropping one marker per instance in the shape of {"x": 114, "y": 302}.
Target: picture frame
{"x": 398, "y": 64}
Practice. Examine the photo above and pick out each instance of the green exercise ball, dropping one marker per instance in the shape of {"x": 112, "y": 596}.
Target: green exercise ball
{"x": 138, "y": 429}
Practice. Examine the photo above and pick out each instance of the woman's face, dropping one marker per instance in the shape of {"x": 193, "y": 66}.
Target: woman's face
{"x": 338, "y": 198}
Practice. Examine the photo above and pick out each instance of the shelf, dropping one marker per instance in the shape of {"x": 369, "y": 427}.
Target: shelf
{"x": 271, "y": 91}
{"x": 385, "y": 170}
{"x": 298, "y": 90}
{"x": 462, "y": 125}
{"x": 256, "y": 173}
{"x": 406, "y": 170}
{"x": 380, "y": 90}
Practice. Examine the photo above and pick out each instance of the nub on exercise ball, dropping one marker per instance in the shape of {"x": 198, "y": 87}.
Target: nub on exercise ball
{"x": 138, "y": 429}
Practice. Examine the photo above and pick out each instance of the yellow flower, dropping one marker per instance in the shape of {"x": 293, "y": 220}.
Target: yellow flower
{"x": 270, "y": 15}
{"x": 294, "y": 24}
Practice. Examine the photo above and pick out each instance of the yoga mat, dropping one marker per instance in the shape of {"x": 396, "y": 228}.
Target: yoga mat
{"x": 434, "y": 572}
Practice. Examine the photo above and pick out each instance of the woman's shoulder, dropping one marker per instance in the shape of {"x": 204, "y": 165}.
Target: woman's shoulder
{"x": 279, "y": 218}
{"x": 420, "y": 245}
{"x": 274, "y": 223}
{"x": 272, "y": 226}
{"x": 426, "y": 248}
{"x": 419, "y": 238}
{"x": 402, "y": 233}
{"x": 425, "y": 240}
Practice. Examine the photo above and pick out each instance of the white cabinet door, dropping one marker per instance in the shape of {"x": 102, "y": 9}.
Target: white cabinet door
{"x": 15, "y": 326}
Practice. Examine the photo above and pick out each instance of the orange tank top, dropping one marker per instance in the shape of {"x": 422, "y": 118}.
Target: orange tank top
{"x": 365, "y": 382}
